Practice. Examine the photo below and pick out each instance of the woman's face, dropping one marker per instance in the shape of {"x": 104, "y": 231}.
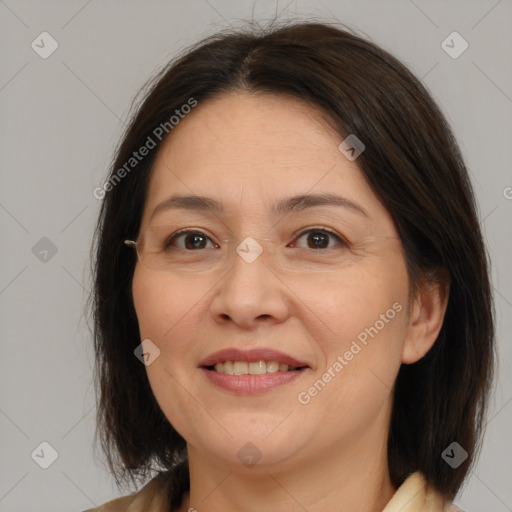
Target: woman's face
{"x": 335, "y": 303}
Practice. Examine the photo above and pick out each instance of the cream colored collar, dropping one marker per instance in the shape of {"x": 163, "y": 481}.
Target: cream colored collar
{"x": 414, "y": 495}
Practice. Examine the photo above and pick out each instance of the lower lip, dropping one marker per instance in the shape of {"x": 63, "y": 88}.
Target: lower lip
{"x": 252, "y": 384}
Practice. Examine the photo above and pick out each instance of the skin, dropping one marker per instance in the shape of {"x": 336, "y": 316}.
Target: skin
{"x": 247, "y": 150}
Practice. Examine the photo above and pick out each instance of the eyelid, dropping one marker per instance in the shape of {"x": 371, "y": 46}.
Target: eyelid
{"x": 298, "y": 234}
{"x": 186, "y": 231}
{"x": 325, "y": 229}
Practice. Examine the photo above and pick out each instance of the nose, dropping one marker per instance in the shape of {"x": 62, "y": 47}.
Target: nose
{"x": 250, "y": 293}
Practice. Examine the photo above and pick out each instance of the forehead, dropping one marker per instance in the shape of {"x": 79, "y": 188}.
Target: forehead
{"x": 254, "y": 149}
{"x": 247, "y": 129}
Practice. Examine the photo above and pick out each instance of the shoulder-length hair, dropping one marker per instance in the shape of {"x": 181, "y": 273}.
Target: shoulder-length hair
{"x": 413, "y": 164}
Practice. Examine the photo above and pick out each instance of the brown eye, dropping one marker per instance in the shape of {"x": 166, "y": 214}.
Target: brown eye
{"x": 192, "y": 240}
{"x": 319, "y": 238}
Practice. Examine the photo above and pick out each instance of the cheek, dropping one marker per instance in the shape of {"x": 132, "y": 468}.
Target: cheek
{"x": 168, "y": 312}
{"x": 358, "y": 302}
{"x": 361, "y": 338}
{"x": 164, "y": 304}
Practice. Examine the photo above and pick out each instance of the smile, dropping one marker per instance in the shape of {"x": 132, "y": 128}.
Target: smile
{"x": 254, "y": 371}
{"x": 251, "y": 368}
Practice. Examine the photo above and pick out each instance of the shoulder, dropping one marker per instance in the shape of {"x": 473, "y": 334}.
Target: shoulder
{"x": 415, "y": 495}
{"x": 153, "y": 496}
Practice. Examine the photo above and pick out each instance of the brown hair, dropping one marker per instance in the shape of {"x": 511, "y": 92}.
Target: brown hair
{"x": 413, "y": 164}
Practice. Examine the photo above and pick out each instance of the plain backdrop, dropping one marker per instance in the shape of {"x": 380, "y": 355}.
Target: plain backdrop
{"x": 61, "y": 117}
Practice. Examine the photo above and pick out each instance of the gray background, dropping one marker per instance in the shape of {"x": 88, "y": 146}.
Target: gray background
{"x": 61, "y": 118}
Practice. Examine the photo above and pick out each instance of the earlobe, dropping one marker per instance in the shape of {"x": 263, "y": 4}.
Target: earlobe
{"x": 426, "y": 319}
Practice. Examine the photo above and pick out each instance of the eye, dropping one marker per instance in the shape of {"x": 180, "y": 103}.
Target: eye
{"x": 318, "y": 238}
{"x": 192, "y": 239}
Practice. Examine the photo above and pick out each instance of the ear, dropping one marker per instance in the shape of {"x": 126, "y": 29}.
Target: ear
{"x": 426, "y": 317}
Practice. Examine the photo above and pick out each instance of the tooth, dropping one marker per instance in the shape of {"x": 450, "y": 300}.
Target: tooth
{"x": 253, "y": 368}
{"x": 257, "y": 368}
{"x": 272, "y": 367}
{"x": 240, "y": 368}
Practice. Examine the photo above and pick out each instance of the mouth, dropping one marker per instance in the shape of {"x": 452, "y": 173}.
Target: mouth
{"x": 257, "y": 361}
{"x": 251, "y": 371}
{"x": 252, "y": 368}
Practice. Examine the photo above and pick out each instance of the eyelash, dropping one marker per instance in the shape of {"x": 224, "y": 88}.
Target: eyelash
{"x": 182, "y": 232}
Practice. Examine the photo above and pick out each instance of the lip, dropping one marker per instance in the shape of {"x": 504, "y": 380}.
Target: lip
{"x": 252, "y": 384}
{"x": 253, "y": 355}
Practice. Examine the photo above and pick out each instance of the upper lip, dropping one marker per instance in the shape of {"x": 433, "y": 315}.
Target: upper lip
{"x": 253, "y": 355}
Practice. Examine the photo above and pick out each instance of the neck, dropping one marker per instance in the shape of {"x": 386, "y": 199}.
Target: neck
{"x": 353, "y": 477}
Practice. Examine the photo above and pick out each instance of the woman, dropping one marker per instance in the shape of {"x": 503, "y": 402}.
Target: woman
{"x": 292, "y": 304}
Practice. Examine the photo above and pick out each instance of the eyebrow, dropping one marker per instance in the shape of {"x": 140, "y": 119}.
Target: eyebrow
{"x": 283, "y": 206}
